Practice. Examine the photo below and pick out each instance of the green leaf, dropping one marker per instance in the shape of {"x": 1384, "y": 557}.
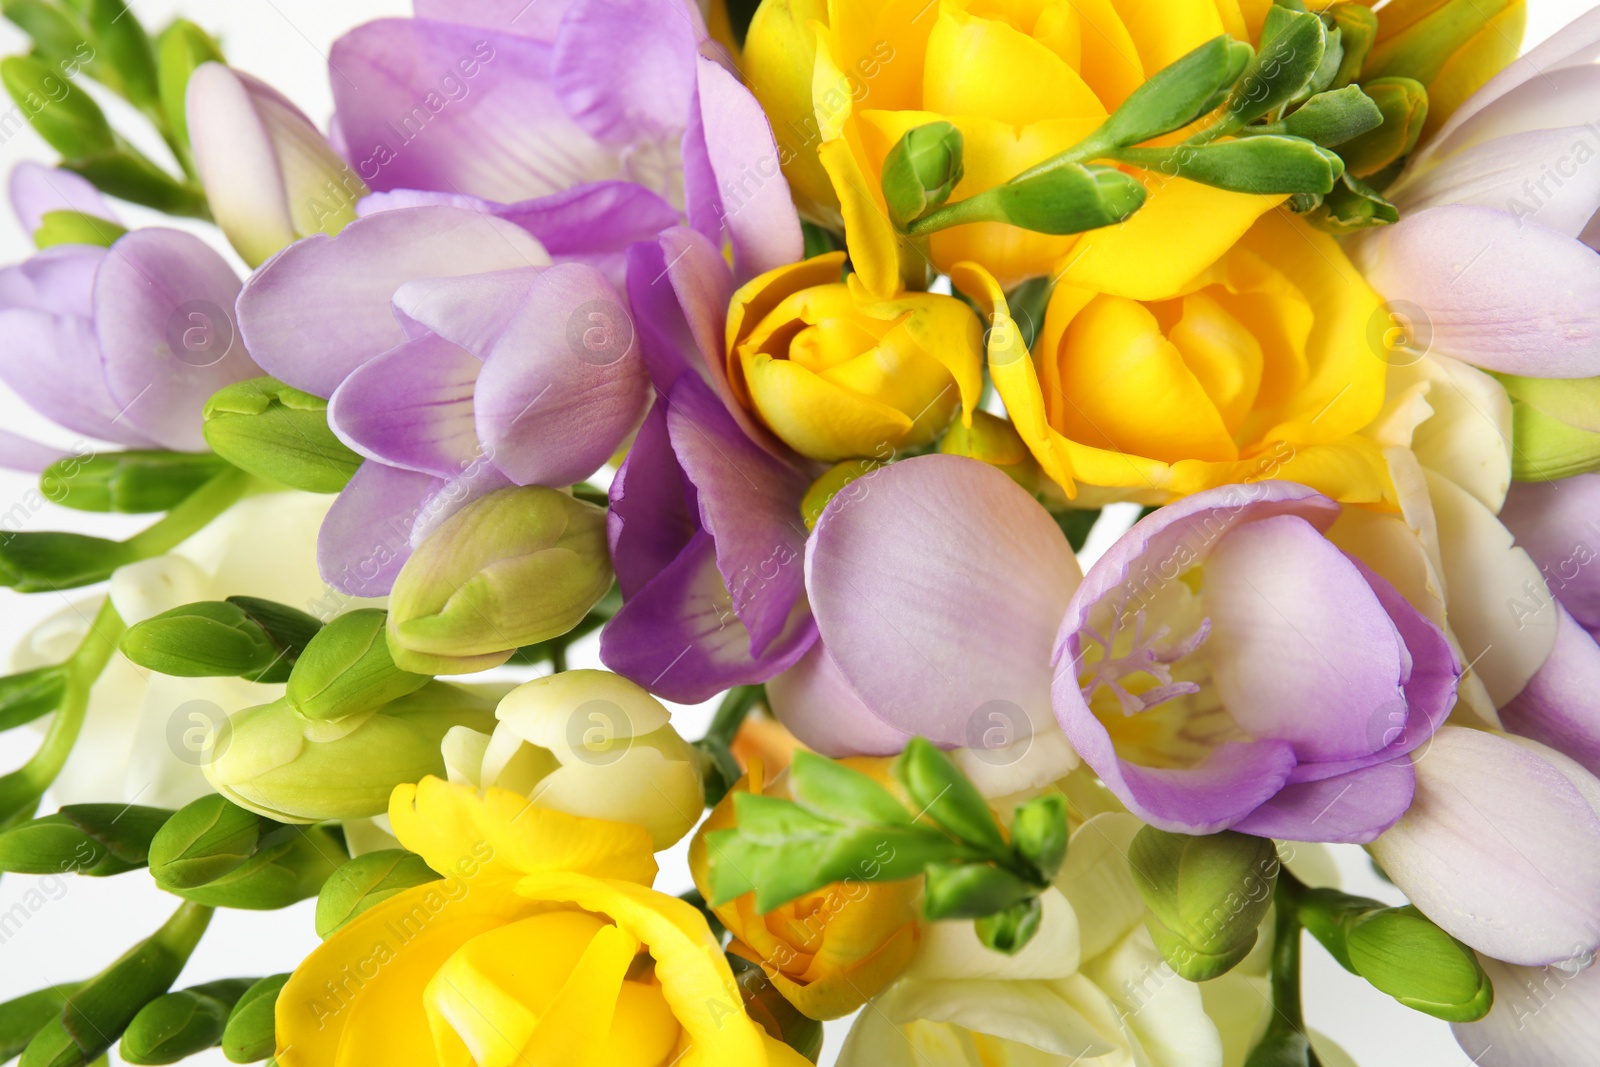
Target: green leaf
{"x": 128, "y": 482}
{"x": 972, "y": 891}
{"x": 88, "y": 839}
{"x": 63, "y": 115}
{"x": 1261, "y": 165}
{"x": 249, "y": 1035}
{"x": 942, "y": 793}
{"x": 1176, "y": 95}
{"x": 837, "y": 792}
{"x": 367, "y": 880}
{"x": 30, "y": 695}
{"x": 278, "y": 432}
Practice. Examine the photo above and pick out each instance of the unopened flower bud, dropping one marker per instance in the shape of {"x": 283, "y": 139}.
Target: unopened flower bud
{"x": 972, "y": 891}
{"x": 368, "y": 879}
{"x": 239, "y": 637}
{"x": 249, "y": 1034}
{"x": 1555, "y": 427}
{"x": 1400, "y": 951}
{"x": 1452, "y": 47}
{"x": 87, "y": 839}
{"x": 279, "y": 433}
{"x": 134, "y": 482}
{"x": 346, "y": 669}
{"x": 1403, "y": 103}
{"x": 921, "y": 170}
{"x": 1207, "y": 895}
{"x": 1039, "y": 832}
{"x": 270, "y": 177}
{"x": 22, "y": 1017}
{"x": 175, "y": 1026}
{"x": 214, "y": 852}
{"x": 994, "y": 441}
{"x": 512, "y": 568}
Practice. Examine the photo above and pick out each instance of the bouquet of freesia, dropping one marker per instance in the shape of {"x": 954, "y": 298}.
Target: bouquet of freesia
{"x": 1077, "y": 464}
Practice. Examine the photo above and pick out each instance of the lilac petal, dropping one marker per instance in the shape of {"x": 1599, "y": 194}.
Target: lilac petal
{"x": 320, "y": 308}
{"x": 749, "y": 503}
{"x": 536, "y": 20}
{"x": 680, "y": 638}
{"x": 164, "y": 318}
{"x": 1558, "y": 524}
{"x": 934, "y": 637}
{"x": 565, "y": 384}
{"x": 594, "y": 223}
{"x": 37, "y": 189}
{"x": 1560, "y": 96}
{"x": 1301, "y": 650}
{"x": 820, "y": 708}
{"x": 651, "y": 518}
{"x": 665, "y": 340}
{"x": 1355, "y": 806}
{"x": 1501, "y": 847}
{"x": 411, "y": 407}
{"x": 433, "y": 105}
{"x": 1499, "y": 292}
{"x": 20, "y": 454}
{"x": 366, "y": 537}
{"x": 1558, "y": 707}
{"x": 59, "y": 280}
{"x": 470, "y": 311}
{"x": 53, "y": 363}
{"x": 1542, "y": 1016}
{"x": 644, "y": 98}
{"x": 1234, "y": 780}
{"x": 732, "y": 181}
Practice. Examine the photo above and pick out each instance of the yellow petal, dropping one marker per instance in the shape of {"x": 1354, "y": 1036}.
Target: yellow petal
{"x": 874, "y": 243}
{"x": 1111, "y": 66}
{"x": 984, "y": 68}
{"x": 1473, "y": 64}
{"x": 946, "y": 329}
{"x": 818, "y": 418}
{"x": 761, "y": 295}
{"x": 780, "y": 51}
{"x": 1165, "y": 31}
{"x": 500, "y": 833}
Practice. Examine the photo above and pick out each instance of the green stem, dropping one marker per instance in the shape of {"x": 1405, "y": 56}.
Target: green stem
{"x": 191, "y": 516}
{"x": 182, "y": 932}
{"x": 732, "y": 712}
{"x": 1286, "y": 967}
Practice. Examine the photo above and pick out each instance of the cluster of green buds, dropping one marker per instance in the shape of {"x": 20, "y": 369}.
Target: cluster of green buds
{"x": 1263, "y": 122}
{"x": 216, "y": 853}
{"x": 103, "y": 40}
{"x": 842, "y": 826}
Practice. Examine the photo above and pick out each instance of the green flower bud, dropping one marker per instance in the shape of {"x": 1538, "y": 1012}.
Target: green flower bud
{"x": 178, "y": 1025}
{"x": 66, "y": 117}
{"x": 1056, "y": 197}
{"x": 208, "y": 639}
{"x": 1353, "y": 205}
{"x": 996, "y": 442}
{"x": 181, "y": 48}
{"x": 1039, "y": 833}
{"x": 205, "y": 840}
{"x": 293, "y": 769}
{"x": 249, "y": 1035}
{"x": 76, "y": 228}
{"x": 1555, "y": 427}
{"x": 941, "y": 792}
{"x": 1333, "y": 118}
{"x": 1293, "y": 45}
{"x": 1009, "y": 931}
{"x": 1177, "y": 94}
{"x": 833, "y": 482}
{"x": 1358, "y": 29}
{"x": 769, "y": 1008}
{"x": 31, "y": 694}
{"x": 57, "y": 34}
{"x": 89, "y": 839}
{"x": 130, "y": 482}
{"x": 367, "y": 880}
{"x": 36, "y": 562}
{"x": 127, "y": 59}
{"x": 921, "y": 171}
{"x": 291, "y": 865}
{"x": 127, "y": 175}
{"x": 972, "y": 891}
{"x": 97, "y": 1013}
{"x": 1403, "y": 103}
{"x": 278, "y": 432}
{"x": 346, "y": 669}
{"x": 512, "y": 568}
{"x": 24, "y": 1016}
{"x": 1268, "y": 163}
{"x": 1207, "y": 896}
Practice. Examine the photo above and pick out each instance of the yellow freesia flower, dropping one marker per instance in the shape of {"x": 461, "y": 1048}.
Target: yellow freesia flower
{"x": 543, "y": 944}
{"x": 1261, "y": 368}
{"x": 1453, "y": 47}
{"x": 1023, "y": 80}
{"x": 829, "y": 951}
{"x": 838, "y": 373}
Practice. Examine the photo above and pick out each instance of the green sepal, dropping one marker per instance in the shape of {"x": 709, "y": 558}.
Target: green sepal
{"x": 1176, "y": 95}
{"x": 76, "y": 228}
{"x": 1039, "y": 833}
{"x": 1332, "y": 118}
{"x": 48, "y": 561}
{"x": 89, "y": 839}
{"x": 250, "y": 1035}
{"x": 1403, "y": 103}
{"x": 63, "y": 115}
{"x": 127, "y": 61}
{"x": 1353, "y": 206}
{"x": 175, "y": 1026}
{"x": 834, "y": 791}
{"x": 1008, "y": 932}
{"x": 972, "y": 891}
{"x": 346, "y": 669}
{"x": 1262, "y": 165}
{"x": 127, "y": 175}
{"x": 138, "y": 482}
{"x": 31, "y": 695}
{"x": 1056, "y": 197}
{"x": 942, "y": 793}
{"x": 278, "y": 432}
{"x": 368, "y": 879}
{"x": 1292, "y": 47}
{"x": 24, "y": 1016}
{"x": 1358, "y": 30}
{"x": 921, "y": 171}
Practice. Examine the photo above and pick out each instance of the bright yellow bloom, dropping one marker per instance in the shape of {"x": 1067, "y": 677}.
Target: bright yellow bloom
{"x": 1453, "y": 47}
{"x": 543, "y": 944}
{"x": 1023, "y": 80}
{"x": 838, "y": 373}
{"x": 1261, "y": 368}
{"x": 829, "y": 951}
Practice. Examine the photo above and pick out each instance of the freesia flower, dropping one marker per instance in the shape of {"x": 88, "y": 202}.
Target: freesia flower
{"x": 456, "y": 359}
{"x": 587, "y": 743}
{"x": 1090, "y": 988}
{"x": 1493, "y": 260}
{"x": 705, "y": 528}
{"x": 837, "y": 373}
{"x": 1260, "y": 369}
{"x": 517, "y": 106}
{"x": 543, "y": 938}
{"x": 1022, "y": 82}
{"x": 1542, "y": 1016}
{"x": 1501, "y": 847}
{"x": 1225, "y": 665}
{"x": 125, "y": 343}
{"x": 1451, "y": 46}
{"x": 829, "y": 951}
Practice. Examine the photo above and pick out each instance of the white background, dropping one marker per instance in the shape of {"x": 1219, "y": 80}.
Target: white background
{"x": 286, "y": 42}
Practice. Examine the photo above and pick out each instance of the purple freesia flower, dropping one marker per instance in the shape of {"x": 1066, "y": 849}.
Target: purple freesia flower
{"x": 457, "y": 360}
{"x": 121, "y": 344}
{"x": 510, "y": 104}
{"x": 1225, "y": 665}
{"x": 705, "y": 526}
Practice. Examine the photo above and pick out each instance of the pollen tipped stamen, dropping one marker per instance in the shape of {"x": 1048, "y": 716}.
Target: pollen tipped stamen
{"x": 1144, "y": 656}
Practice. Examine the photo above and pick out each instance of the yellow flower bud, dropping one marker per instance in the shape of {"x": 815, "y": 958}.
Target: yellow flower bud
{"x": 542, "y": 938}
{"x": 513, "y": 568}
{"x": 837, "y": 373}
{"x": 587, "y": 743}
{"x": 830, "y": 951}
{"x": 1264, "y": 368}
{"x": 997, "y": 443}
